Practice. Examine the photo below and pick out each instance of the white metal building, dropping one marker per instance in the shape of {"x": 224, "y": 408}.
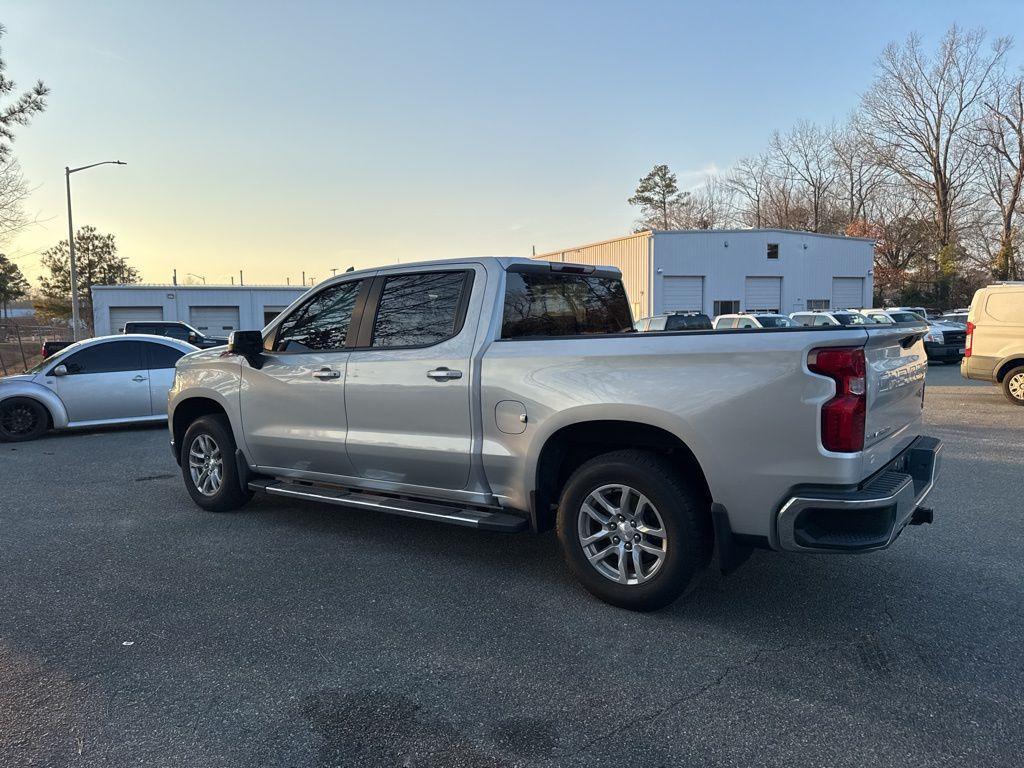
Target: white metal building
{"x": 216, "y": 310}
{"x": 722, "y": 271}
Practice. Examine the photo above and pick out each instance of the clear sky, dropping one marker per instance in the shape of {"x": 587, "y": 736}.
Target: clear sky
{"x": 281, "y": 137}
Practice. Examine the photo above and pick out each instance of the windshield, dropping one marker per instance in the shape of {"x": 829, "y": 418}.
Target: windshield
{"x": 774, "y": 321}
{"x": 852, "y": 318}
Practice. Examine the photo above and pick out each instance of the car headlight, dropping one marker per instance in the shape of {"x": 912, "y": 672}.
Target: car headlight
{"x": 935, "y": 336}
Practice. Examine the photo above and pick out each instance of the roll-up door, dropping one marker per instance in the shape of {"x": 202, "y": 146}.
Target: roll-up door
{"x": 847, "y": 292}
{"x": 214, "y": 321}
{"x": 763, "y": 294}
{"x": 121, "y": 315}
{"x": 683, "y": 293}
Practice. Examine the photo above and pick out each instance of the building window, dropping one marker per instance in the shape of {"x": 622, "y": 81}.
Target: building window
{"x": 773, "y": 250}
{"x": 817, "y": 304}
{"x": 729, "y": 307}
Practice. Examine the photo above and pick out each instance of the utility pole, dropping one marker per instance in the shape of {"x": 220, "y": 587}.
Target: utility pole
{"x": 287, "y": 281}
{"x": 303, "y": 278}
{"x": 240, "y": 280}
{"x": 71, "y": 243}
{"x": 334, "y": 271}
{"x": 174, "y": 279}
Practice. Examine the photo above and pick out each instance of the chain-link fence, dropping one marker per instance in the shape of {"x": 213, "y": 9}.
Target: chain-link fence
{"x": 21, "y": 343}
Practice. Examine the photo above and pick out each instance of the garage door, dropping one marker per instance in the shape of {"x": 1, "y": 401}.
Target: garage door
{"x": 214, "y": 321}
{"x": 763, "y": 294}
{"x": 121, "y": 315}
{"x": 847, "y": 292}
{"x": 682, "y": 293}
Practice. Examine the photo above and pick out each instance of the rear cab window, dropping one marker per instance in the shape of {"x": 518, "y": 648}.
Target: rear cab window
{"x": 542, "y": 302}
{"x": 688, "y": 323}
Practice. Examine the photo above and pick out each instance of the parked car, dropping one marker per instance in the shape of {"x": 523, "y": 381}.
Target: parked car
{"x": 501, "y": 394}
{"x": 175, "y": 329}
{"x": 50, "y": 347}
{"x": 830, "y": 317}
{"x": 920, "y": 311}
{"x": 956, "y": 316}
{"x": 674, "y": 321}
{"x": 943, "y": 341}
{"x": 995, "y": 339}
{"x": 894, "y": 316}
{"x": 106, "y": 380}
{"x": 758, "y": 320}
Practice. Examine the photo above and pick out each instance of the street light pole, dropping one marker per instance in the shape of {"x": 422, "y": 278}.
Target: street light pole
{"x": 71, "y": 243}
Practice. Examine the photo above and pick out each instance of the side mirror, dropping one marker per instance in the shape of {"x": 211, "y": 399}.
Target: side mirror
{"x": 192, "y": 338}
{"x": 60, "y": 370}
{"x": 248, "y": 344}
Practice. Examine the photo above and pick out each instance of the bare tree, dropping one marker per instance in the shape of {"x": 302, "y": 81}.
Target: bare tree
{"x": 860, "y": 179}
{"x": 748, "y": 182}
{"x": 807, "y": 160}
{"x": 923, "y": 111}
{"x": 709, "y": 206}
{"x": 1003, "y": 139}
{"x": 13, "y": 193}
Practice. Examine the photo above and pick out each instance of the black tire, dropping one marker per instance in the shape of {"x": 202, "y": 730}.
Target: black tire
{"x": 22, "y": 418}
{"x": 1014, "y": 380}
{"x": 684, "y": 513}
{"x": 229, "y": 494}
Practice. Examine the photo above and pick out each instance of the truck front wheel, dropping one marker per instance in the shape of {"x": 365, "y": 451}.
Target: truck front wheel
{"x": 634, "y": 530}
{"x": 208, "y": 465}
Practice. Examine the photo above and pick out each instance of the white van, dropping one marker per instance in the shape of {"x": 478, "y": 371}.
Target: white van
{"x": 995, "y": 339}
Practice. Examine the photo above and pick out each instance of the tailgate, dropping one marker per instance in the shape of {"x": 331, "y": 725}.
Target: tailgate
{"x": 896, "y": 367}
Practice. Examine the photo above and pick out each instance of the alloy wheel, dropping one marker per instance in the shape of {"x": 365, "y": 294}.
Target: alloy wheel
{"x": 18, "y": 419}
{"x": 206, "y": 465}
{"x": 622, "y": 534}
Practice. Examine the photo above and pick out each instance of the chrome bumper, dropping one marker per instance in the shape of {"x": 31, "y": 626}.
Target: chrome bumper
{"x": 865, "y": 518}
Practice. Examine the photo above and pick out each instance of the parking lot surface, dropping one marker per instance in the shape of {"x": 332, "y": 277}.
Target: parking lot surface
{"x": 137, "y": 630}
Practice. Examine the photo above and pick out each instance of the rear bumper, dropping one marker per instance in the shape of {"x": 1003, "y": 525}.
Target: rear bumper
{"x": 944, "y": 351}
{"x": 867, "y": 517}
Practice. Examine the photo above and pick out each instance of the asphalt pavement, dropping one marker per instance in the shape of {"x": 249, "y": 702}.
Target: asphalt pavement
{"x": 138, "y": 630}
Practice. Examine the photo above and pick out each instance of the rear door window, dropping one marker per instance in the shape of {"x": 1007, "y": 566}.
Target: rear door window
{"x": 162, "y": 356}
{"x": 549, "y": 303}
{"x": 420, "y": 309}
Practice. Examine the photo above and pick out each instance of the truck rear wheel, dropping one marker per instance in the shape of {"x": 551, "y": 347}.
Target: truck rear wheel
{"x": 1013, "y": 386}
{"x": 208, "y": 465}
{"x": 633, "y": 529}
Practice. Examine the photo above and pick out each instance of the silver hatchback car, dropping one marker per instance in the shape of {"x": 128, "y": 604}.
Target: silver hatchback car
{"x": 106, "y": 380}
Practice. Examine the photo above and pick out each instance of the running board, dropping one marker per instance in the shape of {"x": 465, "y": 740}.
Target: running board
{"x": 425, "y": 510}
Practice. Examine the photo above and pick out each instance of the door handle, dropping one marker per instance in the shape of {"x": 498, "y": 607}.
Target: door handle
{"x": 138, "y": 378}
{"x": 444, "y": 374}
{"x": 327, "y": 373}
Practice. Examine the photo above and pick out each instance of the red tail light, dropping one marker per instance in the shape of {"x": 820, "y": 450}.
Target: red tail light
{"x": 969, "y": 340}
{"x": 842, "y": 417}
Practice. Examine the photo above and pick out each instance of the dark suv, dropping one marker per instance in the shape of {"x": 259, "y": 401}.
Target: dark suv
{"x": 174, "y": 329}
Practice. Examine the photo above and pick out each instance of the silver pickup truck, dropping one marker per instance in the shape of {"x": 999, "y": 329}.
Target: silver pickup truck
{"x": 509, "y": 394}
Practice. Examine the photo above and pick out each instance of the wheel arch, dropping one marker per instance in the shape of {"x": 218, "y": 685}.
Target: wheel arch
{"x": 571, "y": 445}
{"x": 1008, "y": 365}
{"x": 187, "y": 411}
{"x": 55, "y": 411}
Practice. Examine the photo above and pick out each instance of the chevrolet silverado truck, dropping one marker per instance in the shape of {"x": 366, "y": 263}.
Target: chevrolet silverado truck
{"x": 509, "y": 394}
